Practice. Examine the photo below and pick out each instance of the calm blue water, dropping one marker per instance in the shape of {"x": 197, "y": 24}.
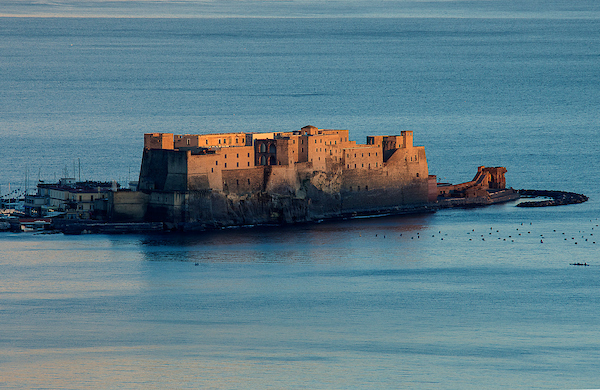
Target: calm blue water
{"x": 481, "y": 298}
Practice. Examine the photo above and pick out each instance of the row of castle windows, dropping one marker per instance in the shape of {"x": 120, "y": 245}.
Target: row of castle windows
{"x": 334, "y": 142}
{"x": 237, "y": 183}
{"x": 237, "y": 164}
{"x": 361, "y": 155}
{"x": 363, "y": 165}
{"x": 237, "y": 155}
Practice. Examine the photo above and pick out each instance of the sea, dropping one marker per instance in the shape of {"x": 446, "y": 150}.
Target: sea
{"x": 480, "y": 298}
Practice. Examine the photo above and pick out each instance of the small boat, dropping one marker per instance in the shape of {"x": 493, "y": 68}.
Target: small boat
{"x": 580, "y": 264}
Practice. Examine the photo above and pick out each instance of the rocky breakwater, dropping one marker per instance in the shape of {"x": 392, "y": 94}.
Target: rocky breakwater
{"x": 557, "y": 198}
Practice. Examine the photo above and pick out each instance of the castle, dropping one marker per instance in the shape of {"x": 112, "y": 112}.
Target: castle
{"x": 280, "y": 177}
{"x": 198, "y": 182}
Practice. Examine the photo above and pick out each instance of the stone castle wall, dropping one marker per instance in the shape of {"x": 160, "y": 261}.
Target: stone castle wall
{"x": 315, "y": 175}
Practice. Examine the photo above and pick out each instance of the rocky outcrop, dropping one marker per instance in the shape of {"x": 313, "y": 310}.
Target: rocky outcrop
{"x": 558, "y": 198}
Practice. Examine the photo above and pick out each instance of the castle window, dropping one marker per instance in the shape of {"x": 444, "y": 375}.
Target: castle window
{"x": 207, "y": 142}
{"x": 225, "y": 165}
{"x": 354, "y": 165}
{"x": 272, "y": 149}
{"x": 224, "y": 141}
{"x": 237, "y": 182}
{"x": 348, "y": 166}
{"x": 248, "y": 154}
{"x": 362, "y": 155}
{"x": 263, "y": 148}
{"x": 187, "y": 141}
{"x": 237, "y": 141}
{"x": 219, "y": 140}
{"x": 369, "y": 166}
{"x": 237, "y": 155}
{"x": 212, "y": 170}
{"x": 362, "y": 165}
{"x": 354, "y": 154}
{"x": 375, "y": 154}
{"x": 369, "y": 154}
{"x": 417, "y": 174}
{"x": 225, "y": 156}
{"x": 238, "y": 164}
{"x": 216, "y": 162}
{"x": 302, "y": 150}
{"x": 375, "y": 165}
{"x": 248, "y": 163}
{"x": 248, "y": 181}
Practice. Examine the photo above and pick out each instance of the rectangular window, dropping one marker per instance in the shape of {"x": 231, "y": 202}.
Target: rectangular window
{"x": 225, "y": 165}
{"x": 238, "y": 164}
